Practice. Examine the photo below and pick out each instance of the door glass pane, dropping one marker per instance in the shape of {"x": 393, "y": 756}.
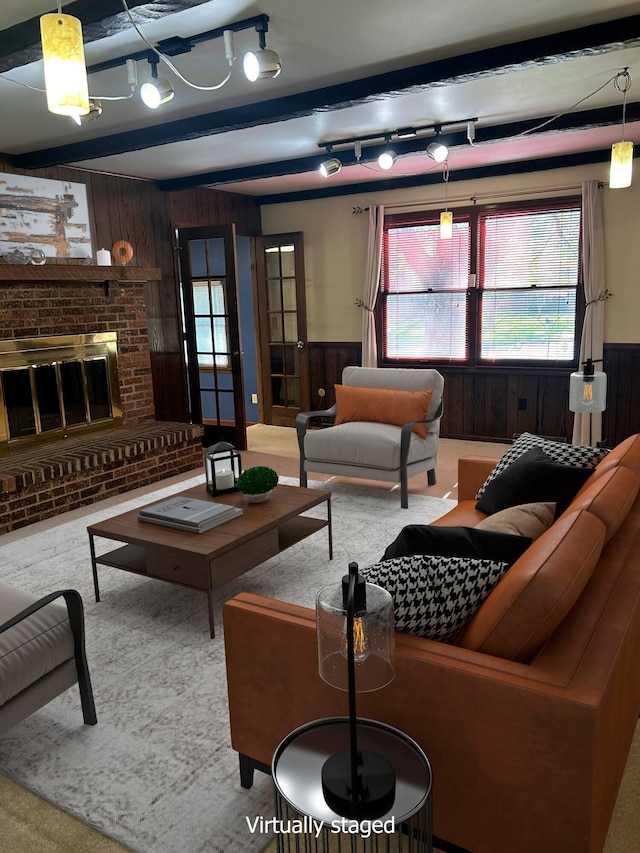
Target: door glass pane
{"x": 272, "y": 260}
{"x": 291, "y": 327}
{"x": 291, "y": 361}
{"x": 277, "y": 390}
{"x": 200, "y": 297}
{"x": 288, "y": 260}
{"x": 217, "y": 261}
{"x": 293, "y": 392}
{"x": 274, "y": 301}
{"x": 197, "y": 253}
{"x": 289, "y": 294}
{"x": 277, "y": 364}
{"x": 275, "y": 327}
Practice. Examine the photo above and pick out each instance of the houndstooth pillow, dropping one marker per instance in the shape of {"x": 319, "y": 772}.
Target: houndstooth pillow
{"x": 435, "y": 596}
{"x": 578, "y": 456}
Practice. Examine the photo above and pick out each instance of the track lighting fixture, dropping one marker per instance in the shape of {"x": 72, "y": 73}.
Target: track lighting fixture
{"x": 65, "y": 73}
{"x": 330, "y": 167}
{"x": 621, "y": 152}
{"x": 261, "y": 64}
{"x": 437, "y": 151}
{"x": 387, "y": 158}
{"x": 95, "y": 111}
{"x": 156, "y": 91}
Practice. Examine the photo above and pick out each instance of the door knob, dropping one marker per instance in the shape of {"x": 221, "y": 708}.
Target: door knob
{"x": 300, "y": 344}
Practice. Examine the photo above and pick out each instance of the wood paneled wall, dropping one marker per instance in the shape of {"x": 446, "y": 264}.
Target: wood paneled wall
{"x": 137, "y": 211}
{"x": 498, "y": 404}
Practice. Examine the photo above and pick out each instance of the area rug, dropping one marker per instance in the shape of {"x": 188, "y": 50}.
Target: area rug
{"x": 157, "y": 772}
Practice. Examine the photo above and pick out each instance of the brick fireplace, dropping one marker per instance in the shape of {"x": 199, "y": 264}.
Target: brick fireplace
{"x": 48, "y": 478}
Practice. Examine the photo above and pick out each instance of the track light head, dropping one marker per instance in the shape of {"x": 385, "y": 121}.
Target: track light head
{"x": 261, "y": 64}
{"x": 95, "y": 111}
{"x": 437, "y": 151}
{"x": 330, "y": 167}
{"x": 387, "y": 159}
{"x": 156, "y": 92}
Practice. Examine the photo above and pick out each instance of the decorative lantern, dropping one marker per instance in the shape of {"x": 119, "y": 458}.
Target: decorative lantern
{"x": 355, "y": 632}
{"x": 222, "y": 467}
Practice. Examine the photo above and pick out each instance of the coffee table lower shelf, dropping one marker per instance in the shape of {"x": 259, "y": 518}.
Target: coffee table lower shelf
{"x": 207, "y": 561}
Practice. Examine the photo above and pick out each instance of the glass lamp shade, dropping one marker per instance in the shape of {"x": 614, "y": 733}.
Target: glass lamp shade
{"x": 588, "y": 392}
{"x": 374, "y": 638}
{"x": 222, "y": 467}
{"x": 446, "y": 225}
{"x": 65, "y": 73}
{"x": 621, "y": 165}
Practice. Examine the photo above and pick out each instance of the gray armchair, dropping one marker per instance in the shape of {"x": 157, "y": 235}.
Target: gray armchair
{"x": 42, "y": 653}
{"x": 372, "y": 450}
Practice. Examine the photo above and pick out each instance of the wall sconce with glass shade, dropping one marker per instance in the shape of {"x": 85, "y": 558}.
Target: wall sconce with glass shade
{"x": 222, "y": 467}
{"x": 356, "y": 644}
{"x": 588, "y": 390}
{"x": 65, "y": 72}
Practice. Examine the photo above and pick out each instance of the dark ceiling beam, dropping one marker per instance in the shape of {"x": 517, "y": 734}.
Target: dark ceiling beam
{"x": 517, "y": 167}
{"x": 584, "y": 120}
{"x": 547, "y": 50}
{"x": 20, "y": 44}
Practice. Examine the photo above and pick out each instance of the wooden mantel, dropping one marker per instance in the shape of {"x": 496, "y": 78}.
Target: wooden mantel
{"x": 76, "y": 272}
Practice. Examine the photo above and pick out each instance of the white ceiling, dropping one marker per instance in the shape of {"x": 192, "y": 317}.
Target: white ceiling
{"x": 326, "y": 44}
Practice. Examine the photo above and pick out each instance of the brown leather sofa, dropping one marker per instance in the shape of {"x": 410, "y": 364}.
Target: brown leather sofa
{"x": 528, "y": 716}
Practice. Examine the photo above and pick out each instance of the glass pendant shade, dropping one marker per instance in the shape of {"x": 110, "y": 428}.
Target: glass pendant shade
{"x": 373, "y": 634}
{"x": 588, "y": 392}
{"x": 446, "y": 225}
{"x": 621, "y": 165}
{"x": 65, "y": 73}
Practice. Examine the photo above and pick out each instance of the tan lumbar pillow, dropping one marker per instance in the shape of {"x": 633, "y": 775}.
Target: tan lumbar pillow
{"x": 524, "y": 520}
{"x": 382, "y": 405}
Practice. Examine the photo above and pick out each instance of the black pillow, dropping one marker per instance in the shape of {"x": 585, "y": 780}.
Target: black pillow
{"x": 531, "y": 478}
{"x": 457, "y": 542}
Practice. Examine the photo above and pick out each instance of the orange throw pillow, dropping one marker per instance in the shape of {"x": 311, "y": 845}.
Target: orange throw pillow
{"x": 382, "y": 406}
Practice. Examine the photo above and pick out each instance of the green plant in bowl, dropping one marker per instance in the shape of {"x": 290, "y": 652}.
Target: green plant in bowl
{"x": 258, "y": 480}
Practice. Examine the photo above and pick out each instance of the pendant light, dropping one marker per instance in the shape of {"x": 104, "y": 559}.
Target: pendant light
{"x": 446, "y": 216}
{"x": 65, "y": 72}
{"x": 621, "y": 152}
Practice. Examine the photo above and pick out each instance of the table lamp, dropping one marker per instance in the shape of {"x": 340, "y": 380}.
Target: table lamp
{"x": 355, "y": 653}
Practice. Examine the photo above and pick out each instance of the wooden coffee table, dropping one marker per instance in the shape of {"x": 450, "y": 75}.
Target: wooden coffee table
{"x": 208, "y": 560}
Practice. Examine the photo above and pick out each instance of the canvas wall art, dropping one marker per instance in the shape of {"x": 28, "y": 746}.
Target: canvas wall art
{"x": 39, "y": 213}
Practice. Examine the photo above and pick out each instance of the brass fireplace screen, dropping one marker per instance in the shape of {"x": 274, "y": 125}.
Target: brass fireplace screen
{"x": 56, "y": 387}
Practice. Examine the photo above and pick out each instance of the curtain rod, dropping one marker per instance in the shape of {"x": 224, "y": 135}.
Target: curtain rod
{"x": 485, "y": 196}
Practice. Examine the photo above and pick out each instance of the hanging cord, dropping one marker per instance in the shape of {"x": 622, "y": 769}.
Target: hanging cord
{"x": 622, "y": 82}
{"x": 229, "y": 54}
{"x": 445, "y": 178}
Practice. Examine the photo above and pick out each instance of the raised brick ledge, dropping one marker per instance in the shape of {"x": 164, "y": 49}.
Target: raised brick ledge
{"x": 54, "y": 462}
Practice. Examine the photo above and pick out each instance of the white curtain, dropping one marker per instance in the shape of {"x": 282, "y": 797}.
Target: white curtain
{"x": 370, "y": 288}
{"x": 587, "y": 427}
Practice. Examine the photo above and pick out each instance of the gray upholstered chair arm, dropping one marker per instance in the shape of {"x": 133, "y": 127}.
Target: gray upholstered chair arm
{"x": 302, "y": 418}
{"x": 75, "y": 609}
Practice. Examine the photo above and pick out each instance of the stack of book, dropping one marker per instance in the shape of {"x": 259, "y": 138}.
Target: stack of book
{"x": 189, "y": 514}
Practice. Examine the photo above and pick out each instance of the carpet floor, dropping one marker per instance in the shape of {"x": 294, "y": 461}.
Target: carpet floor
{"x": 31, "y": 824}
{"x": 158, "y": 773}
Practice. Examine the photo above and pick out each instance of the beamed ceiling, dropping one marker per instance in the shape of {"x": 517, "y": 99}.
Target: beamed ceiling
{"x": 537, "y": 79}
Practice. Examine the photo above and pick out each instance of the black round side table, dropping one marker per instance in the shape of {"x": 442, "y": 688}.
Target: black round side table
{"x": 306, "y": 822}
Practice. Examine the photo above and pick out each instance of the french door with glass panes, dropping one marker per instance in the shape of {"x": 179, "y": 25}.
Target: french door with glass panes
{"x": 283, "y": 327}
{"x": 213, "y": 350}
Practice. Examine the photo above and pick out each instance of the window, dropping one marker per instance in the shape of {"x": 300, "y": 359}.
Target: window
{"x": 524, "y": 262}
